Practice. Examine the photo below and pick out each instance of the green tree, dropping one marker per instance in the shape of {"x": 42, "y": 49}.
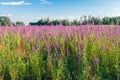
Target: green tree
{"x": 106, "y": 21}
{"x": 56, "y": 22}
{"x": 65, "y": 22}
{"x": 5, "y": 21}
{"x": 20, "y": 23}
{"x": 75, "y": 22}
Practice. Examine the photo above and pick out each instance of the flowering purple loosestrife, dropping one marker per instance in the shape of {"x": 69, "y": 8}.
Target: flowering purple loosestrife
{"x": 96, "y": 60}
{"x": 52, "y": 46}
{"x": 33, "y": 49}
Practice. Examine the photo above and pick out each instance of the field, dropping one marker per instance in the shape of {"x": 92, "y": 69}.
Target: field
{"x": 83, "y": 52}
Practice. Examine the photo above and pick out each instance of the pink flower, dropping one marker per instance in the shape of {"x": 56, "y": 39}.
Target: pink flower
{"x": 96, "y": 60}
{"x": 33, "y": 49}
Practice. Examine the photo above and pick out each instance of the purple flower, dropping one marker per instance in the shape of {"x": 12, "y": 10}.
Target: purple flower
{"x": 51, "y": 34}
{"x": 96, "y": 60}
{"x": 33, "y": 49}
{"x": 111, "y": 39}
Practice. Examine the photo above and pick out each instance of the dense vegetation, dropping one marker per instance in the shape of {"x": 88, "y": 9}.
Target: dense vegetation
{"x": 6, "y": 21}
{"x": 85, "y": 20}
{"x": 60, "y": 53}
{"x": 82, "y": 21}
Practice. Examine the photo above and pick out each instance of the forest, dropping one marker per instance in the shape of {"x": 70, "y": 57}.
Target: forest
{"x": 85, "y": 20}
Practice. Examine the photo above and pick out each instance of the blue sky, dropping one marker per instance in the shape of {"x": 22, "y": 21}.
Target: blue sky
{"x": 32, "y": 10}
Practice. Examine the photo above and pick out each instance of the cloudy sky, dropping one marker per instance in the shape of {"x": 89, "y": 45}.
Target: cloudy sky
{"x": 32, "y": 10}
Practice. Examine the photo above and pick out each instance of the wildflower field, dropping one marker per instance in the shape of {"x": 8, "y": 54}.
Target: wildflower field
{"x": 83, "y": 52}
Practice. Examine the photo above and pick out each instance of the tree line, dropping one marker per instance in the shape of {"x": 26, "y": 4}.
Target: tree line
{"x": 85, "y": 20}
{"x": 6, "y": 21}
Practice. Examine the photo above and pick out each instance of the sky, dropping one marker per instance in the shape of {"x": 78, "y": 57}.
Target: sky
{"x": 33, "y": 10}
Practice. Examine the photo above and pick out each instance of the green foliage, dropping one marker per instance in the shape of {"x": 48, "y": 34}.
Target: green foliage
{"x": 5, "y": 21}
{"x": 19, "y": 23}
{"x": 85, "y": 20}
{"x": 65, "y": 54}
{"x": 75, "y": 22}
{"x": 56, "y": 22}
{"x": 65, "y": 22}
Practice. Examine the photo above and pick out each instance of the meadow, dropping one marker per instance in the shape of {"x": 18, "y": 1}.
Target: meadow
{"x": 84, "y": 52}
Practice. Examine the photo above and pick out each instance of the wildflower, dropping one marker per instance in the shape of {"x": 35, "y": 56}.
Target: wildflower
{"x": 51, "y": 35}
{"x": 96, "y": 60}
{"x": 111, "y": 39}
{"x": 33, "y": 49}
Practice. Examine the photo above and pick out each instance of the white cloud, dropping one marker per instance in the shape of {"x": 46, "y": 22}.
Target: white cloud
{"x": 15, "y": 3}
{"x": 45, "y": 2}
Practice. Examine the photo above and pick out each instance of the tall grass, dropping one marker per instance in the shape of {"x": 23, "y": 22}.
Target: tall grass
{"x": 60, "y": 53}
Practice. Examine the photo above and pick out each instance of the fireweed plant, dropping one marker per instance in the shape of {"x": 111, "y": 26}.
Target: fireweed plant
{"x": 60, "y": 53}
